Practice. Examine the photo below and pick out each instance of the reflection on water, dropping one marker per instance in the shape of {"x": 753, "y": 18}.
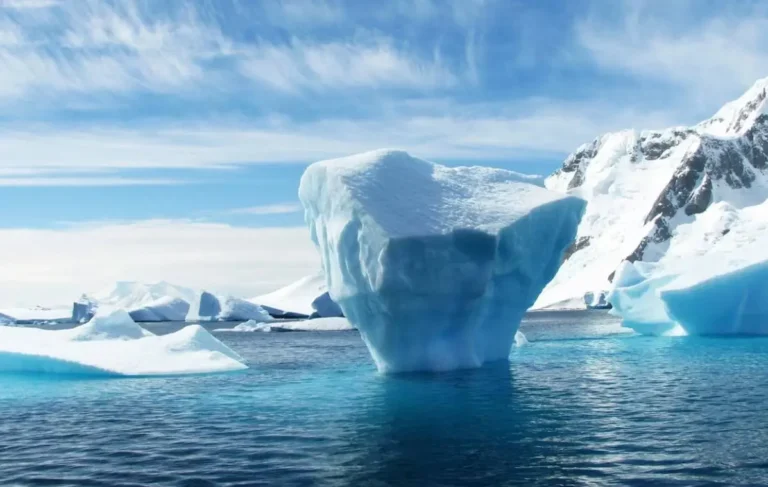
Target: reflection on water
{"x": 583, "y": 404}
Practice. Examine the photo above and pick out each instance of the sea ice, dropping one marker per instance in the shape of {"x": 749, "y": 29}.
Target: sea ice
{"x": 435, "y": 266}
{"x": 114, "y": 344}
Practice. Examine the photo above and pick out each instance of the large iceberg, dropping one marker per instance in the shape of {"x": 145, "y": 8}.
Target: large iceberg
{"x": 304, "y": 298}
{"x": 716, "y": 287}
{"x": 113, "y": 344}
{"x": 435, "y": 266}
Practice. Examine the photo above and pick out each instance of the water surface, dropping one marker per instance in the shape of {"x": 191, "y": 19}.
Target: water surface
{"x": 584, "y": 404}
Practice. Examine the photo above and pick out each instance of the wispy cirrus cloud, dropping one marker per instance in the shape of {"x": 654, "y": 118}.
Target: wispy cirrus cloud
{"x": 705, "y": 58}
{"x": 86, "y": 181}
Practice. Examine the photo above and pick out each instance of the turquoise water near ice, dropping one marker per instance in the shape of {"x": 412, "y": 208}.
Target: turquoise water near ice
{"x": 583, "y": 404}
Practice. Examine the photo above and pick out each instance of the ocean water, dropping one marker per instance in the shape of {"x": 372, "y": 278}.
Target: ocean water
{"x": 583, "y": 404}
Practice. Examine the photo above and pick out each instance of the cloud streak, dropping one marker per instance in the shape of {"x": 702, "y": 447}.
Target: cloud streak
{"x": 274, "y": 209}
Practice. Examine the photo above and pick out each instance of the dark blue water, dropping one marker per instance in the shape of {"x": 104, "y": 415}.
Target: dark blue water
{"x": 581, "y": 405}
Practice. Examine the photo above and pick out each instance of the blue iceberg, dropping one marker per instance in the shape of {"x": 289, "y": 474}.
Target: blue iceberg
{"x": 435, "y": 266}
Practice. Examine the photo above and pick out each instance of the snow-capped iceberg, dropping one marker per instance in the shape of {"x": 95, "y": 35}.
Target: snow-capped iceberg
{"x": 434, "y": 265}
{"x": 113, "y": 344}
{"x": 717, "y": 283}
{"x": 306, "y": 297}
{"x": 209, "y": 307}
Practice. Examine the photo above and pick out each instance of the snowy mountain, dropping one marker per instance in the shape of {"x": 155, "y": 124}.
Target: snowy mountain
{"x": 644, "y": 190}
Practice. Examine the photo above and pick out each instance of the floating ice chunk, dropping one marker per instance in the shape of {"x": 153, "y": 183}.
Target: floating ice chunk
{"x": 235, "y": 309}
{"x": 520, "y": 339}
{"x": 114, "y": 345}
{"x": 166, "y": 308}
{"x": 635, "y": 299}
{"x": 596, "y": 300}
{"x": 205, "y": 307}
{"x": 734, "y": 302}
{"x": 83, "y": 309}
{"x": 435, "y": 266}
{"x": 325, "y": 307}
{"x": 209, "y": 307}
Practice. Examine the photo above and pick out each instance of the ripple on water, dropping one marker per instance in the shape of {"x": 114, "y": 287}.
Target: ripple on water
{"x": 583, "y": 404}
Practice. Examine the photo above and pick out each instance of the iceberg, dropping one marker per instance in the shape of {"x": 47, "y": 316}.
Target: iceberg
{"x": 114, "y": 345}
{"x": 304, "y": 298}
{"x": 166, "y": 308}
{"x": 83, "y": 309}
{"x": 209, "y": 307}
{"x": 435, "y": 266}
{"x": 317, "y": 324}
{"x": 596, "y": 300}
{"x": 716, "y": 288}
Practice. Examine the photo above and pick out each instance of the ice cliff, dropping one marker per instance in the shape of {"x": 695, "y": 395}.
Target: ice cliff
{"x": 435, "y": 266}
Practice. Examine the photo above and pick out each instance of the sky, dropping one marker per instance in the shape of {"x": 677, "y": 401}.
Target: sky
{"x": 164, "y": 140}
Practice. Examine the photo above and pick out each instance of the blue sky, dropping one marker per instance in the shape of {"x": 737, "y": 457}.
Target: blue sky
{"x": 206, "y": 112}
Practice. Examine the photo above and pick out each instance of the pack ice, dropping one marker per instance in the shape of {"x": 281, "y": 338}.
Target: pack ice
{"x": 113, "y": 344}
{"x": 713, "y": 280}
{"x": 434, "y": 265}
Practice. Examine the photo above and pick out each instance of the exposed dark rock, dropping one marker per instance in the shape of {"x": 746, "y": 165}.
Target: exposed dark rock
{"x": 576, "y": 162}
{"x": 701, "y": 199}
{"x": 581, "y": 243}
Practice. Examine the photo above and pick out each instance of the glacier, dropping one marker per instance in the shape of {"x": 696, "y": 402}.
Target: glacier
{"x": 435, "y": 266}
{"x": 114, "y": 345}
{"x": 712, "y": 281}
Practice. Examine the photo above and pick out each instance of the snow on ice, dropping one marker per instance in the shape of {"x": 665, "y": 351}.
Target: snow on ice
{"x": 113, "y": 344}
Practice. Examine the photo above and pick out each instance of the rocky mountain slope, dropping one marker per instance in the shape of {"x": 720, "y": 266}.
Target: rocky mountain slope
{"x": 644, "y": 188}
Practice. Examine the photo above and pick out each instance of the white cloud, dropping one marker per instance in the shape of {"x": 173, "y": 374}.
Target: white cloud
{"x": 86, "y": 181}
{"x": 52, "y": 266}
{"x": 276, "y": 209}
{"x": 27, "y": 4}
{"x": 445, "y": 131}
{"x": 708, "y": 60}
{"x": 318, "y": 67}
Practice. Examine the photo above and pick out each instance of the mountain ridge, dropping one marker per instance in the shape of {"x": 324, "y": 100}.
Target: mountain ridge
{"x": 646, "y": 184}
